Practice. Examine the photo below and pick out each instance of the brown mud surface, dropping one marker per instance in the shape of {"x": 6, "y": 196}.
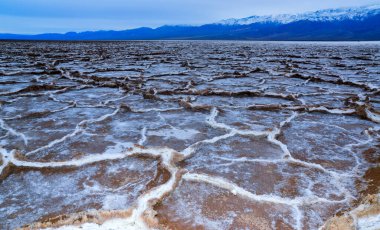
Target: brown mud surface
{"x": 189, "y": 135}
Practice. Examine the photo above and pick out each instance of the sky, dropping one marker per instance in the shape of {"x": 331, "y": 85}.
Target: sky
{"x": 59, "y": 16}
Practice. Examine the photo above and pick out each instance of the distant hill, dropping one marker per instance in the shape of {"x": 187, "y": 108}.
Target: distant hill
{"x": 344, "y": 24}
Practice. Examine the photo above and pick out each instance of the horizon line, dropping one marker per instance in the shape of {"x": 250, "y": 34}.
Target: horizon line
{"x": 183, "y": 25}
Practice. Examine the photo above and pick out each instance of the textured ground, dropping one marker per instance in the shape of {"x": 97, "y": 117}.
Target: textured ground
{"x": 186, "y": 135}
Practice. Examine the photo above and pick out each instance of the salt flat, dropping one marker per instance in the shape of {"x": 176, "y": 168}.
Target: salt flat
{"x": 186, "y": 134}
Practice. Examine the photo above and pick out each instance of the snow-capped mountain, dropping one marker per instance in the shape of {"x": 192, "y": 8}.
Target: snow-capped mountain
{"x": 356, "y": 13}
{"x": 345, "y": 24}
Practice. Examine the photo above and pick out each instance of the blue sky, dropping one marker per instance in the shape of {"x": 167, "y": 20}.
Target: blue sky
{"x": 41, "y": 16}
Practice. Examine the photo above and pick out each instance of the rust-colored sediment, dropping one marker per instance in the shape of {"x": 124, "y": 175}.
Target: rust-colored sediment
{"x": 193, "y": 86}
{"x": 372, "y": 176}
{"x": 150, "y": 216}
{"x": 97, "y": 217}
{"x": 162, "y": 176}
{"x": 101, "y": 216}
{"x": 369, "y": 207}
{"x": 369, "y": 202}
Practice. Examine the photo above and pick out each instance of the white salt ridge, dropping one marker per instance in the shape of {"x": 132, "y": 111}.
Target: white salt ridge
{"x": 78, "y": 129}
{"x": 100, "y": 104}
{"x": 114, "y": 201}
{"x": 368, "y": 223}
{"x": 4, "y": 156}
{"x": 192, "y": 148}
{"x": 143, "y": 204}
{"x": 271, "y": 136}
{"x": 364, "y": 217}
{"x": 339, "y": 182}
{"x": 167, "y": 155}
{"x": 373, "y": 116}
{"x": 213, "y": 123}
{"x": 143, "y": 136}
{"x": 181, "y": 134}
{"x": 313, "y": 108}
{"x": 332, "y": 111}
{"x": 49, "y": 111}
{"x": 155, "y": 110}
{"x": 115, "y": 99}
{"x": 4, "y": 126}
{"x": 114, "y": 224}
{"x": 276, "y": 131}
{"x": 287, "y": 155}
{"x": 236, "y": 190}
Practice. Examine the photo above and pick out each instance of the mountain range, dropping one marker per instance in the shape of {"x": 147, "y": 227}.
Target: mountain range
{"x": 343, "y": 24}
